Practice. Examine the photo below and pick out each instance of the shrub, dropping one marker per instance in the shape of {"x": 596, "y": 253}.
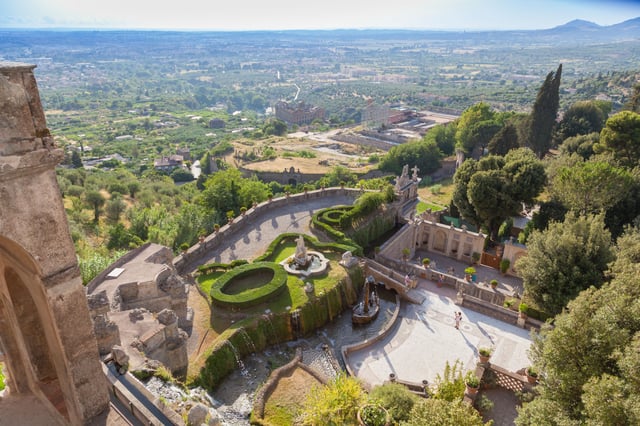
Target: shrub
{"x": 450, "y": 386}
{"x": 504, "y": 265}
{"x": 426, "y": 261}
{"x": 252, "y": 296}
{"x": 336, "y": 403}
{"x": 523, "y": 307}
{"x": 531, "y": 371}
{"x": 396, "y": 398}
{"x": 373, "y": 415}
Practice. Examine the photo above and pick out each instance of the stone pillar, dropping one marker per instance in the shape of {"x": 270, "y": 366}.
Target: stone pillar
{"x": 44, "y": 271}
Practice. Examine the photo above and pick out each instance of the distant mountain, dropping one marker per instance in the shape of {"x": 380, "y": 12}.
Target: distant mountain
{"x": 578, "y": 24}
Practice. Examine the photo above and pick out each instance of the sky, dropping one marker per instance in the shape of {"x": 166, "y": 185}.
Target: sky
{"x": 312, "y": 14}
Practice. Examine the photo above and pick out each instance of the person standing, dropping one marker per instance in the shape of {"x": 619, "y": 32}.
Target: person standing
{"x": 457, "y": 318}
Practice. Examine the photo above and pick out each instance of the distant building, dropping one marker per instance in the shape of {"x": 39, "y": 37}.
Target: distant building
{"x": 185, "y": 153}
{"x": 167, "y": 164}
{"x": 299, "y": 113}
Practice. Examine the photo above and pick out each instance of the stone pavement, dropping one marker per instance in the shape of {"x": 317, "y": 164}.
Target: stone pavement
{"x": 424, "y": 339}
{"x": 507, "y": 284}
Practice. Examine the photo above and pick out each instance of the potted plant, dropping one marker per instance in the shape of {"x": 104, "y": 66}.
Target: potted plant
{"x": 243, "y": 210}
{"x": 504, "y": 265}
{"x": 484, "y": 404}
{"x": 425, "y": 262}
{"x": 484, "y": 353}
{"x": 469, "y": 272}
{"x": 373, "y": 415}
{"x": 472, "y": 382}
{"x": 184, "y": 247}
{"x": 494, "y": 284}
{"x": 532, "y": 374}
{"x": 216, "y": 228}
{"x": 475, "y": 257}
{"x": 405, "y": 254}
{"x": 522, "y": 310}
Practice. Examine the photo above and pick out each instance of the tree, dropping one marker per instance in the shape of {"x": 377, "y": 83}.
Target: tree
{"x": 591, "y": 186}
{"x": 582, "y": 118}
{"x": 583, "y": 145}
{"x": 543, "y": 116}
{"x": 95, "y": 200}
{"x": 621, "y": 136}
{"x": 76, "y": 160}
{"x": 444, "y": 137}
{"x": 114, "y": 208}
{"x": 634, "y": 101}
{"x": 423, "y": 154}
{"x": 504, "y": 141}
{"x": 467, "y": 130}
{"x": 494, "y": 188}
{"x": 565, "y": 259}
{"x": 134, "y": 188}
{"x": 590, "y": 358}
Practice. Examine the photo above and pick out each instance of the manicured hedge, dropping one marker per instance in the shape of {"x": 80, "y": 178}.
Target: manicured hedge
{"x": 309, "y": 242}
{"x": 210, "y": 268}
{"x": 250, "y": 297}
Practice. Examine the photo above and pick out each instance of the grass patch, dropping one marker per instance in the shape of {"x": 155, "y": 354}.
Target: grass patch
{"x": 443, "y": 194}
{"x": 422, "y": 206}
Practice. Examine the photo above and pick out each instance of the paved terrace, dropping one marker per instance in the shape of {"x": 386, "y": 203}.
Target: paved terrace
{"x": 424, "y": 339}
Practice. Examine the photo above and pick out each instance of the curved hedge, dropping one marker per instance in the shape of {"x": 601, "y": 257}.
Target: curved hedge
{"x": 253, "y": 296}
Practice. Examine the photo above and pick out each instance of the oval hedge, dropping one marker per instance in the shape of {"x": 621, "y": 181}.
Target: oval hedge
{"x": 253, "y": 296}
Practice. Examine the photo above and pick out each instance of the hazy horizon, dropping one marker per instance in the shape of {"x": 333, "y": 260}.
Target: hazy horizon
{"x": 198, "y": 15}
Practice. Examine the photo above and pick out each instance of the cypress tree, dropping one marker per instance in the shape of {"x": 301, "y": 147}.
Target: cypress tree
{"x": 544, "y": 113}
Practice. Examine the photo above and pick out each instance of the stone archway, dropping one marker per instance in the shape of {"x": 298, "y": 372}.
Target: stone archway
{"x": 32, "y": 351}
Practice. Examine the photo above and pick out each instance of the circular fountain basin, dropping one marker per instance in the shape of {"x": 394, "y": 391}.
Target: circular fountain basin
{"x": 316, "y": 264}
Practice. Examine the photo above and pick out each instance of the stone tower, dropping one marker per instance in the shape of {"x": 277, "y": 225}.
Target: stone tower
{"x": 46, "y": 335}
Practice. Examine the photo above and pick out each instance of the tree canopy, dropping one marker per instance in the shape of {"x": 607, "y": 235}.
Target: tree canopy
{"x": 621, "y": 136}
{"x": 424, "y": 154}
{"x": 542, "y": 120}
{"x": 589, "y": 360}
{"x": 565, "y": 259}
{"x": 490, "y": 190}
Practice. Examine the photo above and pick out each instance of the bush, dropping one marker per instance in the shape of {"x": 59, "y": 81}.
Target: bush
{"x": 336, "y": 403}
{"x": 396, "y": 398}
{"x": 504, "y": 265}
{"x": 252, "y": 296}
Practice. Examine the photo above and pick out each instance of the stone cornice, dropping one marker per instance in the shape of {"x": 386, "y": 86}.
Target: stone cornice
{"x": 30, "y": 163}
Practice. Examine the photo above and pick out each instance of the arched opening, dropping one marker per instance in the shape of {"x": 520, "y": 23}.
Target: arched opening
{"x": 31, "y": 350}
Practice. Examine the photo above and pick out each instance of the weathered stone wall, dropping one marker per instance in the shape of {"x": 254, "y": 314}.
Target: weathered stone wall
{"x": 33, "y": 218}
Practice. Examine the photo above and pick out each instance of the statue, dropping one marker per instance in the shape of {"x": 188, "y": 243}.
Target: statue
{"x": 415, "y": 171}
{"x": 301, "y": 252}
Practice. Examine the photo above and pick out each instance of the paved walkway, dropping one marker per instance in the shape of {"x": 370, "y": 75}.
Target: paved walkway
{"x": 425, "y": 339}
{"x": 252, "y": 240}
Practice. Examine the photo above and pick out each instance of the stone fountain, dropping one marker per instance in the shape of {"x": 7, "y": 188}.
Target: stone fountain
{"x": 305, "y": 262}
{"x": 367, "y": 310}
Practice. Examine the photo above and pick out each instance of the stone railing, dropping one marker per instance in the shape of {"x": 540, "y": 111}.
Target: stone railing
{"x": 183, "y": 261}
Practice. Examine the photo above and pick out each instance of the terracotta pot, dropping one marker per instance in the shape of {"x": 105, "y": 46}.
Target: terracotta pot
{"x": 471, "y": 391}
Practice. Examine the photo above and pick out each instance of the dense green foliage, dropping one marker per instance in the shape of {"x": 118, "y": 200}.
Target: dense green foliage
{"x": 491, "y": 189}
{"x": 396, "y": 398}
{"x": 334, "y": 404}
{"x": 439, "y": 412}
{"x": 565, "y": 259}
{"x": 541, "y": 122}
{"x": 425, "y": 154}
{"x": 589, "y": 359}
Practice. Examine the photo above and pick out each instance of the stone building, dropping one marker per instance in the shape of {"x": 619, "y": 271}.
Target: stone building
{"x": 46, "y": 336}
{"x": 299, "y": 113}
